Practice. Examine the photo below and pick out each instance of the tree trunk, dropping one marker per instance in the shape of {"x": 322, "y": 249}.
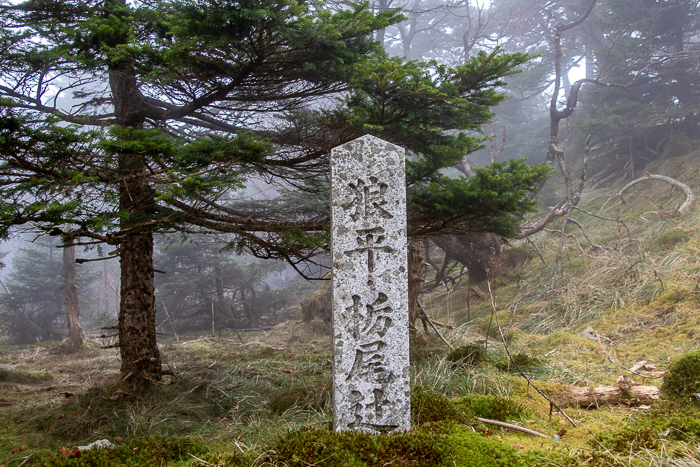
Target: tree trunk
{"x": 141, "y": 364}
{"x": 415, "y": 282}
{"x": 137, "y": 313}
{"x": 70, "y": 291}
{"x": 137, "y": 310}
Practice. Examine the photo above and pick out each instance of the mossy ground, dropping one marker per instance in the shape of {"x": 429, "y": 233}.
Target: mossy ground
{"x": 266, "y": 401}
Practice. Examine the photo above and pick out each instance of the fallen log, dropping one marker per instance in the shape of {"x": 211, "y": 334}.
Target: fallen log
{"x": 624, "y": 391}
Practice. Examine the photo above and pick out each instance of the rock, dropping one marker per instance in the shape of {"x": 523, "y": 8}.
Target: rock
{"x": 100, "y": 444}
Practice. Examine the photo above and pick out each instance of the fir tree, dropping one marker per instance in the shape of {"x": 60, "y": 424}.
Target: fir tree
{"x": 176, "y": 103}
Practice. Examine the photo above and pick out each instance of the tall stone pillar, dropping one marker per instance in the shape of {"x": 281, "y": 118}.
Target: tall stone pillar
{"x": 371, "y": 373}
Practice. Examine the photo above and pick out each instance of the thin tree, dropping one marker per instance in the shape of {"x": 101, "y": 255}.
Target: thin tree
{"x": 72, "y": 303}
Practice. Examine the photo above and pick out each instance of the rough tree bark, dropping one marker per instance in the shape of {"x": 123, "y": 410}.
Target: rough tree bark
{"x": 137, "y": 317}
{"x": 415, "y": 282}
{"x": 70, "y": 291}
{"x": 141, "y": 363}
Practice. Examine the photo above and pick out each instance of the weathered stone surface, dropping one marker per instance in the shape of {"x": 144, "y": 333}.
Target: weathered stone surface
{"x": 371, "y": 380}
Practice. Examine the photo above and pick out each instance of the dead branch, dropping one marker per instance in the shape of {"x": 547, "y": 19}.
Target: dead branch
{"x": 511, "y": 427}
{"x": 598, "y": 248}
{"x": 496, "y": 153}
{"x": 656, "y": 272}
{"x": 565, "y": 206}
{"x": 689, "y": 195}
{"x": 494, "y": 314}
{"x": 432, "y": 324}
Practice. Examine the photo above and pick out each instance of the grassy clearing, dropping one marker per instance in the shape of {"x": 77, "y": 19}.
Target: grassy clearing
{"x": 266, "y": 400}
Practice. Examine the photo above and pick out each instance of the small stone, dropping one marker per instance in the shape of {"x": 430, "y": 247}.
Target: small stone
{"x": 23, "y": 447}
{"x": 117, "y": 439}
{"x": 518, "y": 446}
{"x": 14, "y": 450}
{"x": 100, "y": 444}
{"x": 562, "y": 432}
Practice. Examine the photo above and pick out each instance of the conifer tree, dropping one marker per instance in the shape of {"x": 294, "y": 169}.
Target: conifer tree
{"x": 124, "y": 119}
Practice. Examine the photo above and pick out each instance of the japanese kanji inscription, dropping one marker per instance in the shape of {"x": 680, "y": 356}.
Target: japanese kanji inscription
{"x": 371, "y": 380}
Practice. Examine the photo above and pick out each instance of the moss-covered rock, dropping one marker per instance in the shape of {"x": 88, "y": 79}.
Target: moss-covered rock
{"x": 469, "y": 449}
{"x": 470, "y": 354}
{"x": 427, "y": 407}
{"x": 416, "y": 448}
{"x": 682, "y": 380}
{"x": 491, "y": 407}
{"x": 136, "y": 452}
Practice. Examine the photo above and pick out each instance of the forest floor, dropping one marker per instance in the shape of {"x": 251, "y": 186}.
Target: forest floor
{"x": 264, "y": 398}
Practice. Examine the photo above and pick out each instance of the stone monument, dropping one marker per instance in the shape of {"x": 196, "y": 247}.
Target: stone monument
{"x": 371, "y": 374}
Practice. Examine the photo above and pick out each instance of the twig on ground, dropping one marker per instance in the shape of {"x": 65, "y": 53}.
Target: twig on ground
{"x": 656, "y": 272}
{"x": 633, "y": 370}
{"x": 23, "y": 459}
{"x": 202, "y": 461}
{"x": 511, "y": 427}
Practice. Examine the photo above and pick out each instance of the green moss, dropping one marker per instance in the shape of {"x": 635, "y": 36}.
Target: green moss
{"x": 421, "y": 447}
{"x": 427, "y": 407}
{"x": 682, "y": 380}
{"x": 491, "y": 407}
{"x": 470, "y": 354}
{"x": 558, "y": 338}
{"x": 469, "y": 449}
{"x": 669, "y": 239}
{"x": 667, "y": 420}
{"x": 523, "y": 360}
{"x": 135, "y": 452}
{"x": 627, "y": 440}
{"x": 559, "y": 393}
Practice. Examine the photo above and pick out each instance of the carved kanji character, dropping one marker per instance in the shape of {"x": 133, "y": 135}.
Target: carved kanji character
{"x": 370, "y": 240}
{"x": 368, "y": 199}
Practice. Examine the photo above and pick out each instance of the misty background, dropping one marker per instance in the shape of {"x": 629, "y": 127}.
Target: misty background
{"x": 633, "y": 64}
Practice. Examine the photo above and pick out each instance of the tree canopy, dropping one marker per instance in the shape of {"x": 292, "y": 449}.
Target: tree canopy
{"x": 123, "y": 119}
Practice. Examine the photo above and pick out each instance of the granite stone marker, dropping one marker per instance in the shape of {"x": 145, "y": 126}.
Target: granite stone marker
{"x": 371, "y": 374}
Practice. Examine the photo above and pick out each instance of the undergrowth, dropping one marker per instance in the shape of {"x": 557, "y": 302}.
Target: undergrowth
{"x": 267, "y": 401}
